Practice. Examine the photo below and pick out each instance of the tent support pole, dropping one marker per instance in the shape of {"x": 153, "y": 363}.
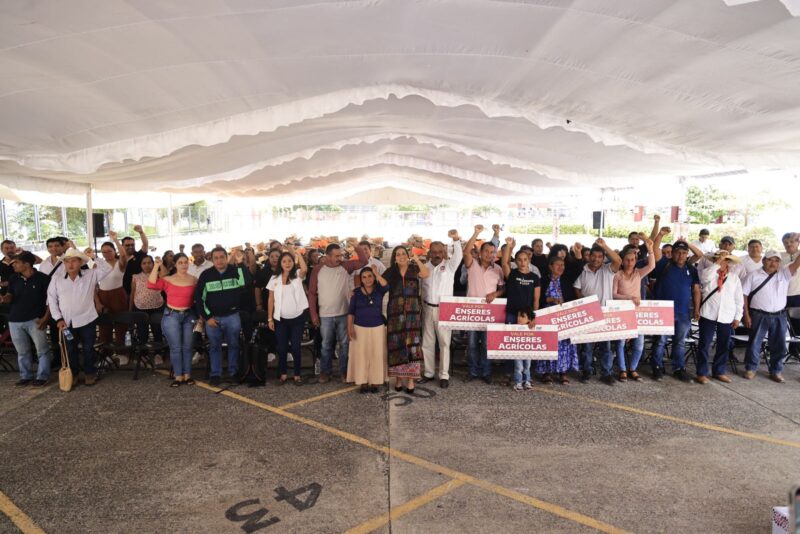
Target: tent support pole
{"x": 3, "y": 218}
{"x": 63, "y": 220}
{"x": 169, "y": 224}
{"x": 89, "y": 218}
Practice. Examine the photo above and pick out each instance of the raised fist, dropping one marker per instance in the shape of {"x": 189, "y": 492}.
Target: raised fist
{"x": 478, "y": 229}
{"x": 496, "y": 228}
{"x": 138, "y": 228}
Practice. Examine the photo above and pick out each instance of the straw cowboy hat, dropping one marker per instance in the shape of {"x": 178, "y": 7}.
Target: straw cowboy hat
{"x": 722, "y": 253}
{"x": 75, "y": 253}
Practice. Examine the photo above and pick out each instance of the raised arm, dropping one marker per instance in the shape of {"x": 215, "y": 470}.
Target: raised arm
{"x": 423, "y": 269}
{"x": 663, "y": 232}
{"x": 455, "y": 258}
{"x": 468, "y": 259}
{"x": 495, "y": 236}
{"x": 655, "y": 230}
{"x": 697, "y": 253}
{"x": 153, "y": 278}
{"x": 357, "y": 263}
{"x": 616, "y": 261}
{"x": 145, "y": 243}
{"x": 123, "y": 255}
{"x": 301, "y": 262}
{"x": 505, "y": 259}
{"x": 794, "y": 266}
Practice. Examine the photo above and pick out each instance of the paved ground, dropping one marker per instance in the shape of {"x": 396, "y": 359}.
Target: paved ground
{"x": 129, "y": 456}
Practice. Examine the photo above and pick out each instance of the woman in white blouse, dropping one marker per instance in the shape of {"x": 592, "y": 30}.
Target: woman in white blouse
{"x": 111, "y": 295}
{"x": 286, "y": 310}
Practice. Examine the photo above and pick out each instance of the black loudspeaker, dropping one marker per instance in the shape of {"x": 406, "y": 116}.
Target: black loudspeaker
{"x": 99, "y": 223}
{"x": 597, "y": 220}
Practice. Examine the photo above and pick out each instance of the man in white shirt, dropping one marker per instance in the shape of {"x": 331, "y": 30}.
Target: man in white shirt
{"x": 439, "y": 284}
{"x": 71, "y": 301}
{"x": 727, "y": 244}
{"x": 199, "y": 262}
{"x": 790, "y": 244}
{"x": 765, "y": 313}
{"x": 52, "y": 265}
{"x": 721, "y": 310}
{"x": 704, "y": 243}
{"x": 752, "y": 262}
{"x": 597, "y": 278}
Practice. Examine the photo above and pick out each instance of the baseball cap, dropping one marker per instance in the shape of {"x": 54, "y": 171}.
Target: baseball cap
{"x": 704, "y": 231}
{"x": 772, "y": 254}
{"x": 680, "y": 245}
{"x": 729, "y": 239}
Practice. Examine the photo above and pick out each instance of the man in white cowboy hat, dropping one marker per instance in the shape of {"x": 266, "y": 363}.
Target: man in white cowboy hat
{"x": 71, "y": 301}
{"x": 765, "y": 313}
{"x": 728, "y": 244}
{"x": 721, "y": 310}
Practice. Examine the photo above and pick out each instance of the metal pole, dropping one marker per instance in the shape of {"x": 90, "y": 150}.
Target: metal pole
{"x": 64, "y": 227}
{"x": 169, "y": 223}
{"x": 37, "y": 223}
{"x": 3, "y": 218}
{"x": 89, "y": 219}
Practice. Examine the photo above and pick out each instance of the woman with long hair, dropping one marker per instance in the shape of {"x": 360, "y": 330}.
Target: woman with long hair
{"x": 286, "y": 309}
{"x": 557, "y": 289}
{"x": 111, "y": 294}
{"x": 366, "y": 366}
{"x": 628, "y": 286}
{"x": 179, "y": 316}
{"x": 148, "y": 301}
{"x": 404, "y": 319}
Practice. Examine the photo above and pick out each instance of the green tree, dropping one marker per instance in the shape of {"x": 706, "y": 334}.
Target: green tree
{"x": 705, "y": 204}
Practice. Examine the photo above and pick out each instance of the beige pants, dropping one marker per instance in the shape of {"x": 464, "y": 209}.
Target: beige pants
{"x": 430, "y": 331}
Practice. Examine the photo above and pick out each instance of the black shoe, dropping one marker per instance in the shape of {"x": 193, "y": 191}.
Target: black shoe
{"x": 470, "y": 378}
{"x": 410, "y": 391}
{"x": 398, "y": 388}
{"x": 487, "y": 379}
{"x": 444, "y": 383}
{"x": 215, "y": 381}
{"x": 363, "y": 389}
{"x": 682, "y": 375}
{"x": 39, "y": 383}
{"x": 424, "y": 379}
{"x": 585, "y": 376}
{"x": 658, "y": 374}
{"x": 233, "y": 379}
{"x": 373, "y": 389}
{"x": 24, "y": 382}
{"x": 608, "y": 380}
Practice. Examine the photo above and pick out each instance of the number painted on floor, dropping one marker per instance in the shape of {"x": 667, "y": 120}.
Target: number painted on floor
{"x": 252, "y": 520}
{"x": 404, "y": 400}
{"x": 291, "y": 497}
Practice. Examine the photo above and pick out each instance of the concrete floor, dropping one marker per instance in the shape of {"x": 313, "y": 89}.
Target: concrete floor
{"x": 127, "y": 456}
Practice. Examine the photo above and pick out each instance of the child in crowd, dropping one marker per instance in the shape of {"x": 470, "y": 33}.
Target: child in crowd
{"x": 522, "y": 368}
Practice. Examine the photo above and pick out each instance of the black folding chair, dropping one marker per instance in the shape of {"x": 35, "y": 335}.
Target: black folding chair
{"x": 7, "y": 349}
{"x": 103, "y": 360}
{"x": 148, "y": 348}
{"x": 793, "y": 336}
{"x": 132, "y": 322}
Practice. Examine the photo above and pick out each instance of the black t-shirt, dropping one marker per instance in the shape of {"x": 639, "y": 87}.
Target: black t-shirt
{"x": 6, "y": 273}
{"x": 30, "y": 297}
{"x": 134, "y": 266}
{"x": 520, "y": 290}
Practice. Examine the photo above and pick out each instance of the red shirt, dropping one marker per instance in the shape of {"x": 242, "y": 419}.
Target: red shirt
{"x": 177, "y": 296}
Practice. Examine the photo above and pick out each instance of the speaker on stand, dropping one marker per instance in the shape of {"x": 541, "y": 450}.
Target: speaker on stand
{"x": 99, "y": 224}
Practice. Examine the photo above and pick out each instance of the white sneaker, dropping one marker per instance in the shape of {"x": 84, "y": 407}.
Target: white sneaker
{"x": 121, "y": 359}
{"x": 289, "y": 358}
{"x": 271, "y": 357}
{"x": 196, "y": 358}
{"x": 527, "y": 385}
{"x": 518, "y": 387}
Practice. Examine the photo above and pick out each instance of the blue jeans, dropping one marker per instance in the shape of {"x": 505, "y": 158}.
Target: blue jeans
{"x": 775, "y": 327}
{"x": 177, "y": 327}
{"x": 478, "y": 362}
{"x": 636, "y": 355}
{"x": 707, "y": 330}
{"x": 85, "y": 335}
{"x": 27, "y": 336}
{"x": 682, "y": 327}
{"x": 606, "y": 360}
{"x": 333, "y": 329}
{"x": 522, "y": 371}
{"x": 290, "y": 331}
{"x": 228, "y": 328}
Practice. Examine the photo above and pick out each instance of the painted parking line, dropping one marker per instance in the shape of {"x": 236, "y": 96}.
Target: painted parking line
{"x": 697, "y": 424}
{"x": 17, "y": 516}
{"x": 328, "y": 395}
{"x": 405, "y": 508}
{"x": 554, "y": 509}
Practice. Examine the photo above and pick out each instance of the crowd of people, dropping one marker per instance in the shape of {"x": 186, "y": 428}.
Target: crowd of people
{"x": 381, "y": 322}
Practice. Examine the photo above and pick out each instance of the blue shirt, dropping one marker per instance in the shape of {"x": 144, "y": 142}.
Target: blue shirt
{"x": 675, "y": 283}
{"x": 367, "y": 310}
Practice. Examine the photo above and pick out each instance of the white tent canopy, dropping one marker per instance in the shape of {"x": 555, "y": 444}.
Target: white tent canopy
{"x": 450, "y": 99}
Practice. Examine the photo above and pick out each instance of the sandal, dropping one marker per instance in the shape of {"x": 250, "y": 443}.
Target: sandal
{"x": 176, "y": 383}
{"x": 283, "y": 380}
{"x": 563, "y": 378}
{"x": 298, "y": 381}
{"x": 189, "y": 381}
{"x": 635, "y": 376}
{"x": 623, "y": 376}
{"x": 547, "y": 379}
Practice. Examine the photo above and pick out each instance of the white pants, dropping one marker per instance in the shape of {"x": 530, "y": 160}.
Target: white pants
{"x": 430, "y": 331}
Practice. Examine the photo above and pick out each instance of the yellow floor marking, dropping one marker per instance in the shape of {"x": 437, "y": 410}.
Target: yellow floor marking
{"x": 457, "y": 475}
{"x": 405, "y": 508}
{"x": 17, "y": 516}
{"x": 318, "y": 397}
{"x": 689, "y": 422}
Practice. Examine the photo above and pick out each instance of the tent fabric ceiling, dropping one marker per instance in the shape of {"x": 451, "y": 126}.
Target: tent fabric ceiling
{"x": 481, "y": 99}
